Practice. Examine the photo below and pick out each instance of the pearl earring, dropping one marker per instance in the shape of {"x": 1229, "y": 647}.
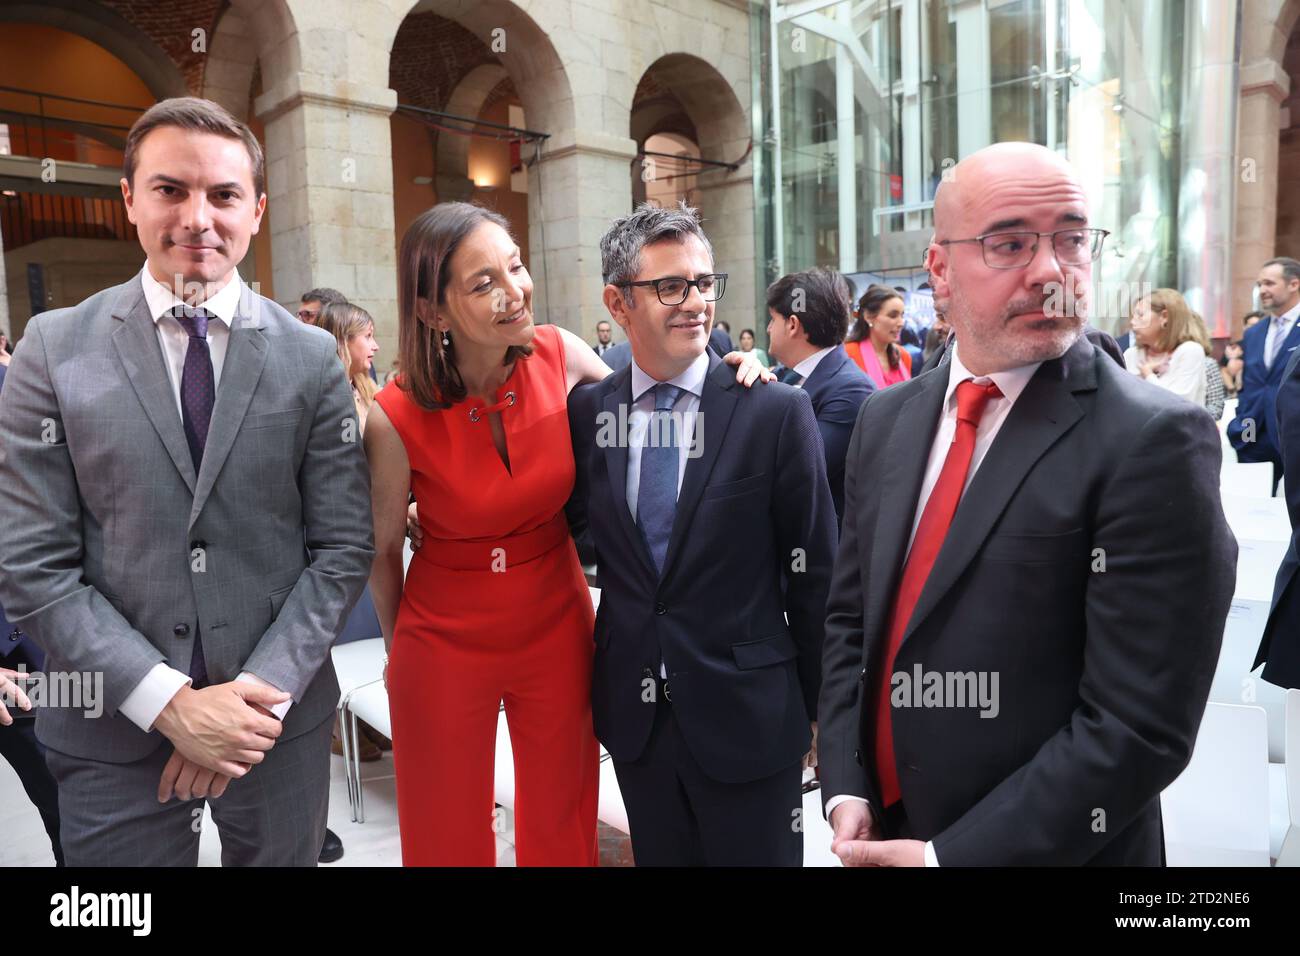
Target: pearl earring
{"x": 445, "y": 340}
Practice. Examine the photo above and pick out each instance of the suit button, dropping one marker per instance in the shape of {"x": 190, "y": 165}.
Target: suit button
{"x": 180, "y": 630}
{"x": 15, "y": 635}
{"x": 661, "y": 609}
{"x": 857, "y": 755}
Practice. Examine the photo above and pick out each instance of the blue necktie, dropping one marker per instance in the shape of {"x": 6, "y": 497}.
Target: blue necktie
{"x": 1279, "y": 336}
{"x": 656, "y": 502}
{"x": 198, "y": 396}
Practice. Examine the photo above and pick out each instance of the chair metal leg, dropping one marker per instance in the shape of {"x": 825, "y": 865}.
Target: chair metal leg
{"x": 356, "y": 762}
{"x": 346, "y": 739}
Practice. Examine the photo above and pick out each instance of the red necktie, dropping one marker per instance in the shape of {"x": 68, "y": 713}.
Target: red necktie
{"x": 935, "y": 519}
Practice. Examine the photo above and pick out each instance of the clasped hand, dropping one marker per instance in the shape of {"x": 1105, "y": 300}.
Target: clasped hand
{"x": 219, "y": 733}
{"x": 859, "y": 841}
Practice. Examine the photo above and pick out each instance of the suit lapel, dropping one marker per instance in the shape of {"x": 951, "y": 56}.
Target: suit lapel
{"x": 617, "y": 407}
{"x": 717, "y": 403}
{"x": 1045, "y": 411}
{"x": 136, "y": 342}
{"x": 904, "y": 459}
{"x": 245, "y": 358}
{"x": 825, "y": 371}
{"x": 1284, "y": 355}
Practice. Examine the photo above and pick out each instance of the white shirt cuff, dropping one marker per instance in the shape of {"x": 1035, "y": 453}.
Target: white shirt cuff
{"x": 279, "y": 709}
{"x": 836, "y": 800}
{"x": 930, "y": 858}
{"x": 143, "y": 705}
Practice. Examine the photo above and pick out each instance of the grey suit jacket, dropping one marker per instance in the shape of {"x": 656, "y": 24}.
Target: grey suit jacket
{"x": 117, "y": 555}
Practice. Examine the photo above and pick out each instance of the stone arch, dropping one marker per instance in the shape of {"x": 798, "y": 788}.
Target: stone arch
{"x": 110, "y": 30}
{"x": 452, "y": 152}
{"x": 232, "y": 62}
{"x": 720, "y": 122}
{"x": 523, "y": 49}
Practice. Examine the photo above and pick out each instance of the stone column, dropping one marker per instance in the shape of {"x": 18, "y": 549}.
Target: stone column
{"x": 330, "y": 185}
{"x": 727, "y": 205}
{"x": 1264, "y": 85}
{"x": 581, "y": 184}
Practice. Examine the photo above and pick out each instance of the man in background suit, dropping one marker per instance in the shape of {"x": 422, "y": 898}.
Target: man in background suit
{"x": 174, "y": 453}
{"x": 1034, "y": 573}
{"x": 603, "y": 334}
{"x": 808, "y": 318}
{"x": 705, "y": 704}
{"x": 1266, "y": 348}
{"x": 1279, "y": 649}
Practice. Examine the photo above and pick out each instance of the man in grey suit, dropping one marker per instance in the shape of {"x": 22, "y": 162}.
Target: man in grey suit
{"x": 188, "y": 525}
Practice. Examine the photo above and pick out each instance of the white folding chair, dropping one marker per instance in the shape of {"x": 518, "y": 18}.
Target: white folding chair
{"x": 357, "y": 664}
{"x": 368, "y": 702}
{"x": 1284, "y": 792}
{"x": 1217, "y": 812}
{"x": 1253, "y": 479}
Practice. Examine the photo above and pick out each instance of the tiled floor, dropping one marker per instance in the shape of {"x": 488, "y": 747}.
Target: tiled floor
{"x": 373, "y": 843}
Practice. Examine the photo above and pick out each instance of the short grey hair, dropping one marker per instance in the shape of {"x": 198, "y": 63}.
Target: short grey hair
{"x": 620, "y": 247}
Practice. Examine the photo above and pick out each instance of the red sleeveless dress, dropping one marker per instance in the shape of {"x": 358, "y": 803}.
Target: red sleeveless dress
{"x": 494, "y": 608}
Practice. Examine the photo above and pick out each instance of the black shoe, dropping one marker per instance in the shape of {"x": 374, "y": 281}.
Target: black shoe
{"x": 332, "y": 849}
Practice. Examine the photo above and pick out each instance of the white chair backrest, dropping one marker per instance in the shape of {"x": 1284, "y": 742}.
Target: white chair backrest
{"x": 1289, "y": 854}
{"x": 1253, "y": 479}
{"x": 1216, "y": 812}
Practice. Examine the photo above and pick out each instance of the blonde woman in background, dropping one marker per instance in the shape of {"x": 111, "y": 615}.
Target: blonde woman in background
{"x": 1169, "y": 345}
{"x": 354, "y": 331}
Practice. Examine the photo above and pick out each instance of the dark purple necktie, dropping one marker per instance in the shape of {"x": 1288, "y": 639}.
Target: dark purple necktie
{"x": 198, "y": 395}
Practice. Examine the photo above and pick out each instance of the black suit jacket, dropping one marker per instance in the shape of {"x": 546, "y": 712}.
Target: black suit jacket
{"x": 1280, "y": 646}
{"x": 752, "y": 542}
{"x": 1102, "y": 675}
{"x": 837, "y": 388}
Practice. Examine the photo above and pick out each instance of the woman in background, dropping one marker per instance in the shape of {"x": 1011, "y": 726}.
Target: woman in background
{"x": 748, "y": 347}
{"x": 354, "y": 334}
{"x": 1169, "y": 345}
{"x": 873, "y": 342}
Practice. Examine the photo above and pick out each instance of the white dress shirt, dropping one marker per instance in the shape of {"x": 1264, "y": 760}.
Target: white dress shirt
{"x": 1279, "y": 328}
{"x": 1010, "y": 383}
{"x": 143, "y": 705}
{"x": 808, "y": 365}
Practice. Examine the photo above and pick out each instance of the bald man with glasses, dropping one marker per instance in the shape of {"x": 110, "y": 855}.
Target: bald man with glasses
{"x": 1034, "y": 570}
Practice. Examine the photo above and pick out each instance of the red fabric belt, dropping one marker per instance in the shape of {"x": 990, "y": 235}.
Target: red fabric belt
{"x": 493, "y": 554}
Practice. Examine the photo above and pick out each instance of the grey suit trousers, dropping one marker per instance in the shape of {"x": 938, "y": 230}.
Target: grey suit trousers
{"x": 272, "y": 816}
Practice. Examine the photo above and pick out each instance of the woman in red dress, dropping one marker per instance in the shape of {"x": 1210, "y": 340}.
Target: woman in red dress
{"x": 495, "y": 606}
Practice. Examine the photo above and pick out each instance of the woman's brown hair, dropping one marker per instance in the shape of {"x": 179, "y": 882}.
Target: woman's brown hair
{"x": 869, "y": 306}
{"x": 428, "y": 368}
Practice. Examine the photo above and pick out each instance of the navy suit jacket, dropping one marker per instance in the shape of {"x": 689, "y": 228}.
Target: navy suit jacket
{"x": 1283, "y": 654}
{"x": 752, "y": 542}
{"x": 837, "y": 388}
{"x": 1259, "y": 388}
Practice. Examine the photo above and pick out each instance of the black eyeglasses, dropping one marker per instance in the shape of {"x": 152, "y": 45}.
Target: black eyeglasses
{"x": 672, "y": 290}
{"x": 1015, "y": 250}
